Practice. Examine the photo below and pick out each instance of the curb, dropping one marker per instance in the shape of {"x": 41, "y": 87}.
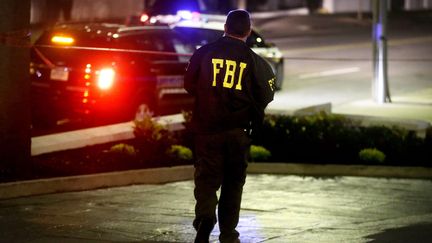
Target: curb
{"x": 181, "y": 173}
{"x": 95, "y": 181}
{"x": 341, "y": 170}
{"x": 96, "y": 135}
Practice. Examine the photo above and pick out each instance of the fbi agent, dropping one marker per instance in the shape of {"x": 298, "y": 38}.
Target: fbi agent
{"x": 232, "y": 86}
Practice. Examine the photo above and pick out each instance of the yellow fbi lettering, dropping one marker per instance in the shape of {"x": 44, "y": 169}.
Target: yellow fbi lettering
{"x": 230, "y": 72}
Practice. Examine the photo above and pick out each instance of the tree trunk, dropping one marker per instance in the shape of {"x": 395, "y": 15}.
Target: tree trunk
{"x": 15, "y": 135}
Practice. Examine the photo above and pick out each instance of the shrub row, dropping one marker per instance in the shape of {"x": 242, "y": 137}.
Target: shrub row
{"x": 320, "y": 138}
{"x": 328, "y": 138}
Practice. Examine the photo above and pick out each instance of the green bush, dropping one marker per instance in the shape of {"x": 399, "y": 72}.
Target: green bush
{"x": 152, "y": 139}
{"x": 150, "y": 130}
{"x": 180, "y": 152}
{"x": 187, "y": 115}
{"x": 371, "y": 155}
{"x": 259, "y": 153}
{"x": 318, "y": 138}
{"x": 124, "y": 149}
{"x": 329, "y": 138}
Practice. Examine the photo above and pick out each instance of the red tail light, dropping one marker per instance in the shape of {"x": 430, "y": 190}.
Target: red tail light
{"x": 105, "y": 79}
{"x": 144, "y": 17}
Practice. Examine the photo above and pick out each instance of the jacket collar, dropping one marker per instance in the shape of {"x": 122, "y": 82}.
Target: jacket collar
{"x": 232, "y": 39}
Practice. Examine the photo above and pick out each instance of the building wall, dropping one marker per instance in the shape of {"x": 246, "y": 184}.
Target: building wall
{"x": 418, "y": 4}
{"x": 90, "y": 9}
{"x": 341, "y": 6}
{"x": 100, "y": 9}
{"x": 106, "y": 9}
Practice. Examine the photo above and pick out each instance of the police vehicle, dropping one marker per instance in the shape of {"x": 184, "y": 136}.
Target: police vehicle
{"x": 105, "y": 71}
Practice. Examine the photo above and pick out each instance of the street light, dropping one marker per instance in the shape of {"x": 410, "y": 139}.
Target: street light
{"x": 380, "y": 88}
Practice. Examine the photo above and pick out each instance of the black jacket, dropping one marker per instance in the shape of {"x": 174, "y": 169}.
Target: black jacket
{"x": 231, "y": 84}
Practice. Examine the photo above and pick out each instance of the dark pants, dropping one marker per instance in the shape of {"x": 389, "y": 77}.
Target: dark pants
{"x": 221, "y": 161}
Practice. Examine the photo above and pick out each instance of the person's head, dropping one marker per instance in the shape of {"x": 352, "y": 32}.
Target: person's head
{"x": 238, "y": 24}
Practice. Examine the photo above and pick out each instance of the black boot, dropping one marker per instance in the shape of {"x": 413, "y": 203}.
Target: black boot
{"x": 203, "y": 231}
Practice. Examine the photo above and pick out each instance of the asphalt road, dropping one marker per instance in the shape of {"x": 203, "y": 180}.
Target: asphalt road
{"x": 329, "y": 58}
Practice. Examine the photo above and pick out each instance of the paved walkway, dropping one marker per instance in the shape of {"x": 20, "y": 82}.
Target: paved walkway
{"x": 276, "y": 208}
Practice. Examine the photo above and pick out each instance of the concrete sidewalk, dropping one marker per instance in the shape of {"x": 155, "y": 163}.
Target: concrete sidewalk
{"x": 411, "y": 111}
{"x": 411, "y": 106}
{"x": 276, "y": 208}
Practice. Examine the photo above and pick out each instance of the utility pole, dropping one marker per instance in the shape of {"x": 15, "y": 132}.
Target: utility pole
{"x": 380, "y": 87}
{"x": 15, "y": 135}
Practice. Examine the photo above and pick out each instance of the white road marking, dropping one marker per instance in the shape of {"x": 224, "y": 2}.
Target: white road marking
{"x": 328, "y": 73}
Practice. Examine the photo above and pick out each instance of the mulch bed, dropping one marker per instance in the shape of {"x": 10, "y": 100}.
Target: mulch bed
{"x": 88, "y": 160}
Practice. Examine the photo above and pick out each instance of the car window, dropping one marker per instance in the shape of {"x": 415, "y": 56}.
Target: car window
{"x": 183, "y": 48}
{"x": 199, "y": 37}
{"x": 164, "y": 41}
